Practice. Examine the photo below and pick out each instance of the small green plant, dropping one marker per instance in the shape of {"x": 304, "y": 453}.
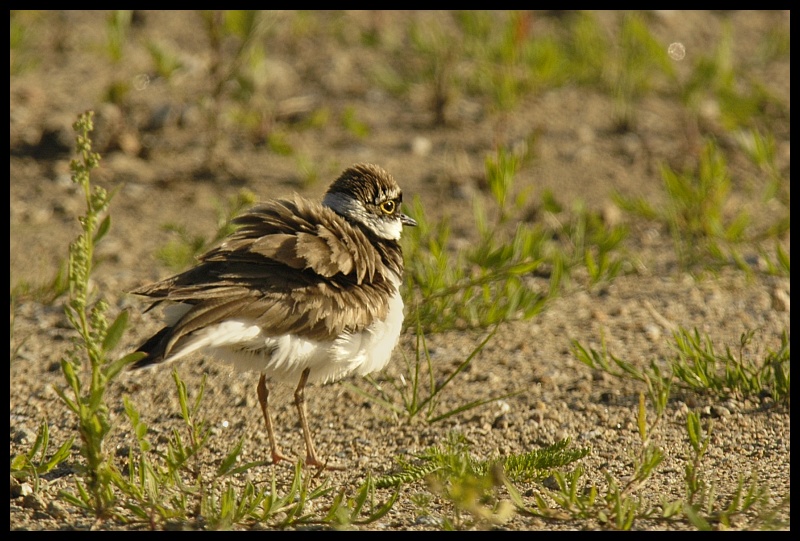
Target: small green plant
{"x": 420, "y": 394}
{"x": 278, "y": 142}
{"x": 777, "y": 262}
{"x": 117, "y": 28}
{"x": 474, "y": 487}
{"x": 620, "y": 504}
{"x": 760, "y": 149}
{"x": 641, "y": 60}
{"x": 119, "y": 23}
{"x": 696, "y": 366}
{"x": 702, "y": 506}
{"x": 443, "y": 291}
{"x": 695, "y": 212}
{"x": 239, "y": 75}
{"x": 492, "y": 56}
{"x": 721, "y": 77}
{"x": 440, "y": 58}
{"x": 509, "y": 59}
{"x": 588, "y": 50}
{"x": 26, "y": 465}
{"x": 434, "y": 60}
{"x": 47, "y": 292}
{"x": 495, "y": 280}
{"x": 453, "y": 459}
{"x": 487, "y": 284}
{"x": 182, "y": 251}
{"x": 164, "y": 60}
{"x": 701, "y": 368}
{"x": 586, "y": 242}
{"x": 171, "y": 485}
{"x": 22, "y": 26}
{"x": 309, "y": 169}
{"x": 353, "y": 125}
{"x": 90, "y": 351}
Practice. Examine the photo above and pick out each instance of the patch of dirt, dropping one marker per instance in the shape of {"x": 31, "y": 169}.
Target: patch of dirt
{"x": 155, "y": 149}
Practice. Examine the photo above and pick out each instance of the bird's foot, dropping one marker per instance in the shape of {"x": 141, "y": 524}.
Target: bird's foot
{"x": 317, "y": 463}
{"x": 277, "y": 457}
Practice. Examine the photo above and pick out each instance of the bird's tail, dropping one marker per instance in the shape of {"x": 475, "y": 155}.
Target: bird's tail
{"x": 155, "y": 348}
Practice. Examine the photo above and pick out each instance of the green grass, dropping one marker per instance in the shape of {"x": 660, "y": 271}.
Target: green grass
{"x": 352, "y": 125}
{"x": 743, "y": 101}
{"x": 706, "y": 235}
{"x": 22, "y": 33}
{"x": 47, "y": 292}
{"x": 165, "y": 61}
{"x": 697, "y": 368}
{"x": 619, "y": 504}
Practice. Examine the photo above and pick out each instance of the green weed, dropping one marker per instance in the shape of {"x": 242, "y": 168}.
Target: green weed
{"x": 118, "y": 26}
{"x": 46, "y": 293}
{"x": 166, "y": 62}
{"x": 642, "y": 60}
{"x": 420, "y": 393}
{"x": 353, "y": 125}
{"x": 474, "y": 488}
{"x": 698, "y": 367}
{"x": 695, "y": 368}
{"x": 26, "y": 466}
{"x": 238, "y": 75}
{"x": 702, "y": 233}
{"x": 444, "y": 291}
{"x": 96, "y": 337}
{"x": 760, "y": 149}
{"x": 620, "y": 505}
{"x": 22, "y": 28}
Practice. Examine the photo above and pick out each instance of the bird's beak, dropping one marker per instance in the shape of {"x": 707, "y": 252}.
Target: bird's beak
{"x": 407, "y": 220}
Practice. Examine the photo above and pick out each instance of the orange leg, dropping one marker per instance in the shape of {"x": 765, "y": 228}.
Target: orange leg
{"x": 300, "y": 402}
{"x": 263, "y": 398}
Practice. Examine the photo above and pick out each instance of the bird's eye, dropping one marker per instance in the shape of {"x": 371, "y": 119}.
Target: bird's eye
{"x": 388, "y": 207}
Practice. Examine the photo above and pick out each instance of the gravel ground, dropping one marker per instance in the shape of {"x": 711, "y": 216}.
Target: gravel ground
{"x": 154, "y": 148}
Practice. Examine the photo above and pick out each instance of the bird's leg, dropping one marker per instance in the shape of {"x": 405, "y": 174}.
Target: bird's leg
{"x": 263, "y": 398}
{"x": 300, "y": 402}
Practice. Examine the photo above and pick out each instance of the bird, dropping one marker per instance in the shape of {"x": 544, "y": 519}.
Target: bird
{"x": 303, "y": 291}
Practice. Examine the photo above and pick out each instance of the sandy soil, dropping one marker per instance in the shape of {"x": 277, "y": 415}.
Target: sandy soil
{"x": 155, "y": 149}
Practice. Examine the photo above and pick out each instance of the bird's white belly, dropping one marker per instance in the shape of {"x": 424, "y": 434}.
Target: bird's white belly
{"x": 283, "y": 358}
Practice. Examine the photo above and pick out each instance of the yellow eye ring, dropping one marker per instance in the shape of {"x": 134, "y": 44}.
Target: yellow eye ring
{"x": 388, "y": 207}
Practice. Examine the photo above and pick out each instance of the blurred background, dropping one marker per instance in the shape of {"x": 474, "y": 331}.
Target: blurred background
{"x": 195, "y": 109}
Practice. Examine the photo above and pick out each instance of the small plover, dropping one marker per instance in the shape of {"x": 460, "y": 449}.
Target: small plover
{"x": 303, "y": 291}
